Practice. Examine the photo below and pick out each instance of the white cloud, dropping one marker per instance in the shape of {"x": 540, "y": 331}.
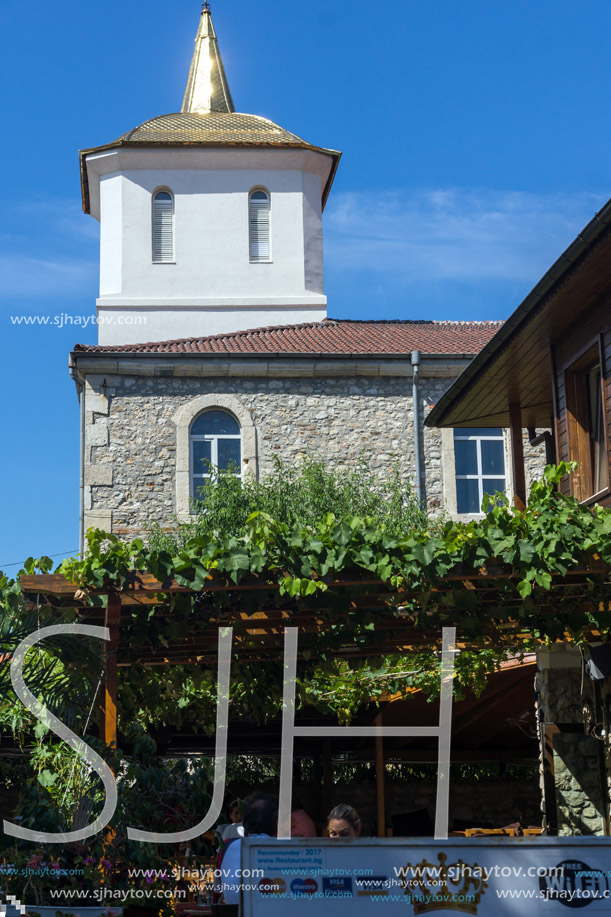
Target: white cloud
{"x": 424, "y": 239}
{"x": 51, "y": 250}
{"x": 453, "y": 234}
{"x": 21, "y": 275}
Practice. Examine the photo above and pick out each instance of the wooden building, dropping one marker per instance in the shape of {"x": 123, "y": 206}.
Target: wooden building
{"x": 549, "y": 369}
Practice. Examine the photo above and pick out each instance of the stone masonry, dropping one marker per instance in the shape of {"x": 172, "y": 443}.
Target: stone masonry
{"x": 579, "y": 775}
{"x": 131, "y": 433}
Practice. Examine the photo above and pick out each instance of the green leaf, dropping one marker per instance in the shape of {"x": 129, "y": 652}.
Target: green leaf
{"x": 46, "y": 778}
{"x": 543, "y": 579}
{"x": 527, "y": 551}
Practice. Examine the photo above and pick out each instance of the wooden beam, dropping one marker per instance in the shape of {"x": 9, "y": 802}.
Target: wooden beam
{"x": 108, "y": 709}
{"x": 144, "y": 588}
{"x": 381, "y": 801}
{"x": 517, "y": 454}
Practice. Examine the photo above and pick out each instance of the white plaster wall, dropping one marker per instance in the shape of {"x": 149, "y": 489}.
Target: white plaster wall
{"x": 312, "y": 234}
{"x": 111, "y": 235}
{"x": 125, "y": 325}
{"x": 212, "y": 287}
{"x": 211, "y": 237}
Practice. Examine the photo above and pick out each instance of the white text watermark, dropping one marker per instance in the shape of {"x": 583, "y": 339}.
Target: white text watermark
{"x": 80, "y": 321}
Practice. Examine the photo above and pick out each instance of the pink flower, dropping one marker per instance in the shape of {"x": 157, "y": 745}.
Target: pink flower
{"x": 106, "y": 864}
{"x": 89, "y": 861}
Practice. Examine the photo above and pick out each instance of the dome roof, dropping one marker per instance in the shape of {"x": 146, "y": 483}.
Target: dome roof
{"x": 211, "y": 128}
{"x": 207, "y": 118}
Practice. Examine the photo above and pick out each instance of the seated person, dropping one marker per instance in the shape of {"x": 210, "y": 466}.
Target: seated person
{"x": 343, "y": 821}
{"x": 234, "y": 828}
{"x": 301, "y": 823}
{"x": 260, "y": 820}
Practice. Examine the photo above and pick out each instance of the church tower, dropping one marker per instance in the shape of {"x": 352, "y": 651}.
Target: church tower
{"x": 210, "y": 220}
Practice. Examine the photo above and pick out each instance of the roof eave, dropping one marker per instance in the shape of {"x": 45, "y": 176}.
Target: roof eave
{"x": 263, "y": 354}
{"x": 335, "y": 156}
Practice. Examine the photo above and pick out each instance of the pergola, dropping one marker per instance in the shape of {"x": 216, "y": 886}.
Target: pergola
{"x": 400, "y": 619}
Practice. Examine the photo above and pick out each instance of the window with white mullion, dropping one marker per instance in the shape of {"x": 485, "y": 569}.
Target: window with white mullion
{"x": 479, "y": 455}
{"x": 480, "y": 483}
{"x": 215, "y": 446}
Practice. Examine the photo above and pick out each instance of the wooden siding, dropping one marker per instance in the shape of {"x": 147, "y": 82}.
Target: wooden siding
{"x": 587, "y": 332}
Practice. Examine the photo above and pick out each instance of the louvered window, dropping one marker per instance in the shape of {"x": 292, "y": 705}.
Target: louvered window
{"x": 163, "y": 227}
{"x": 258, "y": 226}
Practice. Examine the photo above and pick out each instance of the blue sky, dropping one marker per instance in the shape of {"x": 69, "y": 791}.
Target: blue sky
{"x": 476, "y": 144}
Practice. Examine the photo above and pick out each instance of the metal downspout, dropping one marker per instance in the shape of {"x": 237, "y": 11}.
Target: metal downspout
{"x": 415, "y": 358}
{"x": 80, "y": 388}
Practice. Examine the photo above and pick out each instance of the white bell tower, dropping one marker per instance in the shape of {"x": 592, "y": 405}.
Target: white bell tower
{"x": 210, "y": 220}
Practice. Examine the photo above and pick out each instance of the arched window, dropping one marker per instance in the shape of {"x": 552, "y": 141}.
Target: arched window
{"x": 163, "y": 227}
{"x": 216, "y": 442}
{"x": 258, "y": 225}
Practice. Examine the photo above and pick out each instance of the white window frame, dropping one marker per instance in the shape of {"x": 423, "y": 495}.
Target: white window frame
{"x": 254, "y": 259}
{"x": 213, "y": 439}
{"x": 157, "y": 257}
{"x": 448, "y": 466}
{"x": 183, "y": 419}
{"x": 480, "y": 477}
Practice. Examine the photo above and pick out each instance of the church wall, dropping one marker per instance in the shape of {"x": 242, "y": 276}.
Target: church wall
{"x": 111, "y": 234}
{"x": 127, "y": 325}
{"x": 131, "y": 438}
{"x": 312, "y": 234}
{"x": 211, "y": 236}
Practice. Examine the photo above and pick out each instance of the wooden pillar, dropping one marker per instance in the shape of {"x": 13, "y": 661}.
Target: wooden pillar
{"x": 320, "y": 814}
{"x": 517, "y": 452}
{"x": 327, "y": 778}
{"x": 108, "y": 706}
{"x": 380, "y": 770}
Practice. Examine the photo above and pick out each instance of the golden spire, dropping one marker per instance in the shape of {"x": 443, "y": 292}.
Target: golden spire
{"x": 207, "y": 88}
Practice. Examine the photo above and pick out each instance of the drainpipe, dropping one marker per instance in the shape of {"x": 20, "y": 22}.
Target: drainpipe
{"x": 547, "y": 438}
{"x": 80, "y": 389}
{"x": 415, "y": 358}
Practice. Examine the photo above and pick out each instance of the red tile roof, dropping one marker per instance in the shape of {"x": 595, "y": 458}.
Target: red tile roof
{"x": 330, "y": 336}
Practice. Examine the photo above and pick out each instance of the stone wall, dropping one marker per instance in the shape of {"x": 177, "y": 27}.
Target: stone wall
{"x": 131, "y": 453}
{"x": 578, "y": 794}
{"x": 478, "y": 803}
{"x": 497, "y": 803}
{"x": 534, "y": 460}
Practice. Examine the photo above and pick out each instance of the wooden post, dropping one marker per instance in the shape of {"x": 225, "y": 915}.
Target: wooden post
{"x": 327, "y": 778}
{"x": 380, "y": 780}
{"x": 108, "y": 706}
{"x": 517, "y": 452}
{"x": 320, "y": 814}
